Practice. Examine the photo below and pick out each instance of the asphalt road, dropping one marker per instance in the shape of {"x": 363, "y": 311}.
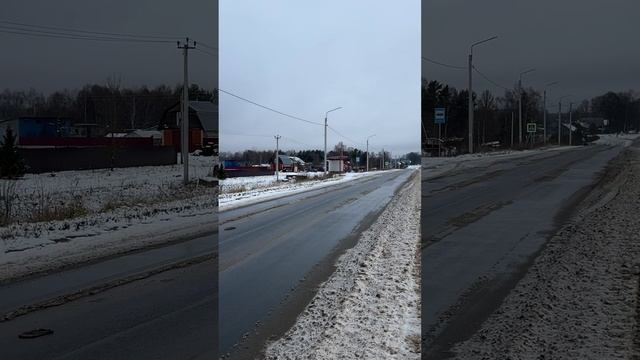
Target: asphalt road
{"x": 172, "y": 295}
{"x": 274, "y": 254}
{"x": 481, "y": 228}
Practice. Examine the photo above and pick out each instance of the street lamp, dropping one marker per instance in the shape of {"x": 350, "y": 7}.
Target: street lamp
{"x": 520, "y": 104}
{"x": 370, "y": 136}
{"x": 471, "y": 90}
{"x": 544, "y": 111}
{"x": 325, "y": 138}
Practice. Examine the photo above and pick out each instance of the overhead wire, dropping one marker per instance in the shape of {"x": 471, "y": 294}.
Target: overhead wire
{"x": 205, "y": 52}
{"x": 270, "y": 109}
{"x": 75, "y": 30}
{"x": 488, "y": 79}
{"x": 443, "y": 64}
{"x": 36, "y": 33}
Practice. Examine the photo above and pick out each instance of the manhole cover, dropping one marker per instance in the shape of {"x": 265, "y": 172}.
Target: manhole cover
{"x": 31, "y": 334}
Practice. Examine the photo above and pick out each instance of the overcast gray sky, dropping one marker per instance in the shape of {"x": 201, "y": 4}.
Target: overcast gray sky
{"x": 48, "y": 64}
{"x": 307, "y": 57}
{"x": 588, "y": 46}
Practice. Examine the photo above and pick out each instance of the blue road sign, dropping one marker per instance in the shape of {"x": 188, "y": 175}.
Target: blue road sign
{"x": 439, "y": 116}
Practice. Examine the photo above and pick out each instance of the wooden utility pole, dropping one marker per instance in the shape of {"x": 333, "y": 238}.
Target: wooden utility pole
{"x": 184, "y": 149}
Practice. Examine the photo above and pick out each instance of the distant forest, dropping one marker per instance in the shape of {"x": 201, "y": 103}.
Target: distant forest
{"x": 108, "y": 105}
{"x": 493, "y": 113}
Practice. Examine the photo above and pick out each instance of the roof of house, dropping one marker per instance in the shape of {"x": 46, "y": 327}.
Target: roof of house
{"x": 290, "y": 160}
{"x": 207, "y": 113}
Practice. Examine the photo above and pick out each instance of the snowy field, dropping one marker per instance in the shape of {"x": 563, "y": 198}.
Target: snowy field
{"x": 235, "y": 192}
{"x": 66, "y": 217}
{"x": 370, "y": 307}
{"x": 580, "y": 298}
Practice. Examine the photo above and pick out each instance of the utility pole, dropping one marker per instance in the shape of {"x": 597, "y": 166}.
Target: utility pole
{"x": 520, "y": 104}
{"x": 512, "y": 118}
{"x": 471, "y": 101}
{"x": 370, "y": 136}
{"x": 325, "y": 167}
{"x": 544, "y": 112}
{"x": 133, "y": 113}
{"x": 184, "y": 149}
{"x": 382, "y": 162}
{"x": 570, "y": 126}
{"x": 367, "y": 155}
{"x": 520, "y": 111}
{"x": 277, "y": 137}
{"x": 544, "y": 118}
{"x": 559, "y": 122}
{"x": 470, "y": 89}
{"x": 560, "y": 119}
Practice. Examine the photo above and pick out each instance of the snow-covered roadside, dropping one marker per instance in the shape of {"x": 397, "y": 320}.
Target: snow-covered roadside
{"x": 370, "y": 307}
{"x": 616, "y": 140}
{"x": 121, "y": 210}
{"x": 236, "y": 192}
{"x": 579, "y": 300}
{"x": 25, "y": 256}
{"x": 436, "y": 166}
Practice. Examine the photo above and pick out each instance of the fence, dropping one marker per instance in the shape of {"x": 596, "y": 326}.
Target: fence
{"x": 39, "y": 160}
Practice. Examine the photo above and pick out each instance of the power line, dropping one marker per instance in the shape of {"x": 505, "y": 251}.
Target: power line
{"x": 343, "y": 136}
{"x": 205, "y": 52}
{"x": 90, "y": 32}
{"x": 443, "y": 64}
{"x": 37, "y": 33}
{"x": 270, "y": 109}
{"x": 207, "y": 46}
{"x": 489, "y": 80}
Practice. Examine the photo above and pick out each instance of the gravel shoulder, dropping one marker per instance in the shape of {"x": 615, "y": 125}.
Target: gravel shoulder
{"x": 579, "y": 299}
{"x": 370, "y": 307}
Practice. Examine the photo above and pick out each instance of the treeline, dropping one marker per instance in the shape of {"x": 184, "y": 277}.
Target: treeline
{"x": 493, "y": 114}
{"x": 109, "y": 105}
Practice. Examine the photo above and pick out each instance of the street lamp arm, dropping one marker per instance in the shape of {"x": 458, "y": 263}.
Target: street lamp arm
{"x": 327, "y": 113}
{"x": 482, "y": 41}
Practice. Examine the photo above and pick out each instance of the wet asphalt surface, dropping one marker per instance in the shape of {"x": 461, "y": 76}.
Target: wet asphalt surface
{"x": 266, "y": 250}
{"x": 271, "y": 255}
{"x": 131, "y": 321}
{"x": 481, "y": 228}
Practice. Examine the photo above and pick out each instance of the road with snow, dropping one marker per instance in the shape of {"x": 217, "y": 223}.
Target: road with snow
{"x": 274, "y": 254}
{"x": 482, "y": 224}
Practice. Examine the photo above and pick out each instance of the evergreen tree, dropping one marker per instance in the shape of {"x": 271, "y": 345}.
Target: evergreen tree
{"x": 11, "y": 163}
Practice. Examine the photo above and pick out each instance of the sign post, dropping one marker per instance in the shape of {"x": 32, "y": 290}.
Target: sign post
{"x": 439, "y": 119}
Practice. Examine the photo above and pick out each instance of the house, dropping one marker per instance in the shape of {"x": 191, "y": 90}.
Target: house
{"x": 338, "y": 164}
{"x": 289, "y": 163}
{"x": 203, "y": 126}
